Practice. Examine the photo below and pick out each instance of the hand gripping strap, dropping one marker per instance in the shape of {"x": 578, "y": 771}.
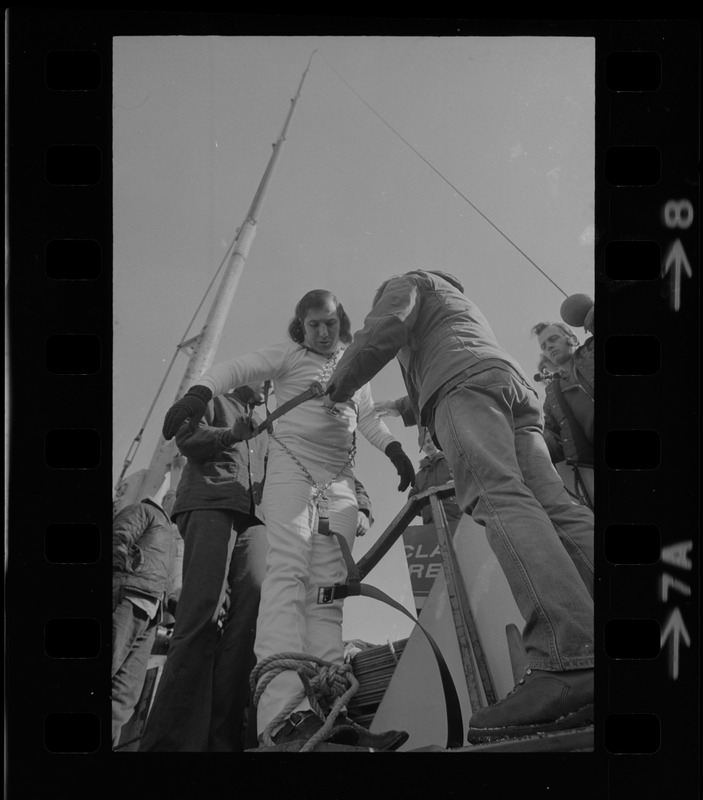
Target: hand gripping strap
{"x": 314, "y": 390}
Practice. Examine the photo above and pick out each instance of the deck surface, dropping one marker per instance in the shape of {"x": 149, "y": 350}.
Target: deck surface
{"x": 578, "y": 740}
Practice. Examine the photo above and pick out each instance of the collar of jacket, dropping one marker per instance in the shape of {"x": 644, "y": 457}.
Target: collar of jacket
{"x": 245, "y": 395}
{"x": 428, "y": 460}
{"x": 568, "y": 376}
{"x": 152, "y": 502}
{"x": 340, "y": 347}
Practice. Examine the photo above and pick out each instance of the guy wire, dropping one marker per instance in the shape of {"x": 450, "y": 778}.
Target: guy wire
{"x": 446, "y": 180}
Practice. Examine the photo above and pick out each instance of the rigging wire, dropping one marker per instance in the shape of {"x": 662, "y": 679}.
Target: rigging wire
{"x": 138, "y": 438}
{"x": 134, "y": 447}
{"x": 253, "y": 210}
{"x": 446, "y": 180}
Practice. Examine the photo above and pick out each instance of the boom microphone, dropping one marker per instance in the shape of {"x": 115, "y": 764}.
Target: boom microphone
{"x": 575, "y": 308}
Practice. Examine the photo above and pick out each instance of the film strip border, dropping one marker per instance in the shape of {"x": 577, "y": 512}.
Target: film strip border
{"x": 59, "y": 286}
{"x": 648, "y": 297}
{"x": 60, "y": 388}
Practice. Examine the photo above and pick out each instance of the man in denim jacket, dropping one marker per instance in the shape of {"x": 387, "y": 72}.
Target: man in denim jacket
{"x": 487, "y": 419}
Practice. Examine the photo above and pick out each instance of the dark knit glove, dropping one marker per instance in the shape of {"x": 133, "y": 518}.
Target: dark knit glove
{"x": 403, "y": 464}
{"x": 191, "y": 406}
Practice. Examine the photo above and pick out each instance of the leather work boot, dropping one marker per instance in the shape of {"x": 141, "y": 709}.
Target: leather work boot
{"x": 540, "y": 702}
{"x": 299, "y": 725}
{"x": 303, "y": 725}
{"x": 387, "y": 740}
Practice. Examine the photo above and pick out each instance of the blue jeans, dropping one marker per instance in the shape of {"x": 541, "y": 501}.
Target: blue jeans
{"x": 490, "y": 429}
{"x": 204, "y": 690}
{"x": 133, "y": 635}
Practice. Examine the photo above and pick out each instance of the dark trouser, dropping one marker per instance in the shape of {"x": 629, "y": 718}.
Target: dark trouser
{"x": 133, "y": 636}
{"x": 204, "y": 689}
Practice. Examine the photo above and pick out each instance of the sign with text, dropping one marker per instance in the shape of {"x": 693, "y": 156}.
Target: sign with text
{"x": 424, "y": 559}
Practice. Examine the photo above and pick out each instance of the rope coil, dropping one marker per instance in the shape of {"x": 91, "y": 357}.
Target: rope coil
{"x": 326, "y": 685}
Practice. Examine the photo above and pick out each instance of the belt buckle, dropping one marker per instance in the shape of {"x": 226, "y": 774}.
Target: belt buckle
{"x": 328, "y": 594}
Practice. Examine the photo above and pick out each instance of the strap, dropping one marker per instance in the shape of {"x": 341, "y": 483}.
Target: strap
{"x": 584, "y": 381}
{"x": 579, "y": 484}
{"x": 314, "y": 390}
{"x": 455, "y": 723}
{"x": 327, "y": 594}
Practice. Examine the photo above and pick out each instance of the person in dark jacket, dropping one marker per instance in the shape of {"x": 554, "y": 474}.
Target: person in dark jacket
{"x": 144, "y": 546}
{"x": 569, "y": 409}
{"x": 486, "y": 417}
{"x": 434, "y": 471}
{"x": 203, "y": 693}
{"x": 202, "y": 703}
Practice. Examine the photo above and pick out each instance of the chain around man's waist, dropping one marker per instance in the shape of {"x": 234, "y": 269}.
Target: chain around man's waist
{"x": 318, "y": 489}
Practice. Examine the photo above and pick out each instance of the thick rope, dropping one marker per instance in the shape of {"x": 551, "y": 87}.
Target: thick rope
{"x": 324, "y": 684}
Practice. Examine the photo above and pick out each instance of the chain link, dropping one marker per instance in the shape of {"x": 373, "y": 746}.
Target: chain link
{"x": 329, "y": 366}
{"x": 319, "y": 495}
{"x": 318, "y": 492}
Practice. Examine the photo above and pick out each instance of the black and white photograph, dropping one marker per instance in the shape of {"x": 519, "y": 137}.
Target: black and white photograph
{"x": 302, "y": 441}
{"x": 353, "y": 302}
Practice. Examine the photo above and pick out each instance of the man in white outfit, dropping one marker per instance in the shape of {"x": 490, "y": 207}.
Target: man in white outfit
{"x": 309, "y": 491}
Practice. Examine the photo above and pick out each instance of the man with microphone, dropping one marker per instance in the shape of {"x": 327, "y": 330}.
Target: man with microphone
{"x": 569, "y": 408}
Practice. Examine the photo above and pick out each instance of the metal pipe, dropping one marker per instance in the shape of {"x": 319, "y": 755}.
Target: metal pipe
{"x": 209, "y": 338}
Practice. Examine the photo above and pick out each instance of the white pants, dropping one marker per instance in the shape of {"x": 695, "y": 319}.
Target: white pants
{"x": 299, "y": 561}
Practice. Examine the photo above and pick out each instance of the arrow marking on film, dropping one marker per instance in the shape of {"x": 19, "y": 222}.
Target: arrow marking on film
{"x": 676, "y": 258}
{"x": 676, "y": 629}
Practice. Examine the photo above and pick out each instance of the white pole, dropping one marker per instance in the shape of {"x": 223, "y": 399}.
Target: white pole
{"x": 207, "y": 341}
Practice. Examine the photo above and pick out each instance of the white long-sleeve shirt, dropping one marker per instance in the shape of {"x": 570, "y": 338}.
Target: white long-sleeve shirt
{"x": 308, "y": 430}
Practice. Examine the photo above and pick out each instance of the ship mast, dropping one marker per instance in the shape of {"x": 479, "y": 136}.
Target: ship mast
{"x": 202, "y": 348}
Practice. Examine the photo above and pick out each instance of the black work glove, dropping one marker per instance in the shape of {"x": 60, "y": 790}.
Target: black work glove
{"x": 191, "y": 406}
{"x": 402, "y": 463}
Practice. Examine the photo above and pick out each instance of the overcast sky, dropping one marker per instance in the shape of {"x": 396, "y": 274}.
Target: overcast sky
{"x": 505, "y": 124}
